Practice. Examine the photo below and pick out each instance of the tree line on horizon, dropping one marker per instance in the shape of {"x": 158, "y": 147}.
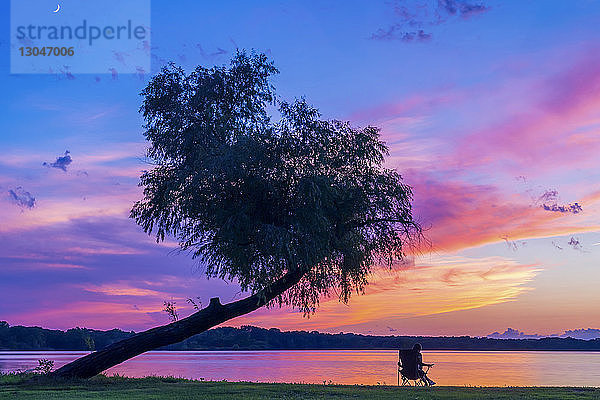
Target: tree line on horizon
{"x": 255, "y": 338}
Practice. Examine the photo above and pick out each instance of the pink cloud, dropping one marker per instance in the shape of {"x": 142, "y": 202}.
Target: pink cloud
{"x": 458, "y": 214}
{"x": 123, "y": 289}
{"x": 559, "y": 126}
{"x": 415, "y": 104}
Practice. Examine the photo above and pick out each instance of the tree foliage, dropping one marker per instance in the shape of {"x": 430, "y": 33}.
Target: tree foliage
{"x": 256, "y": 187}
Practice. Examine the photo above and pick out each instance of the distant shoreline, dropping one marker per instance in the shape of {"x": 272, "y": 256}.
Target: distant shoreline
{"x": 248, "y": 338}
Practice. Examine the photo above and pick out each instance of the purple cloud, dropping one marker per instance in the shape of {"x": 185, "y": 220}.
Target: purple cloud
{"x": 575, "y": 244}
{"x": 574, "y": 208}
{"x": 585, "y": 334}
{"x": 549, "y": 200}
{"x": 62, "y": 162}
{"x": 21, "y": 197}
{"x": 415, "y": 16}
{"x": 510, "y": 333}
{"x": 549, "y": 196}
{"x": 395, "y": 32}
{"x": 462, "y": 7}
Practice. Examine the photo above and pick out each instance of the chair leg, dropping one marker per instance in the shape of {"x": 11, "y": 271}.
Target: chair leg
{"x": 425, "y": 380}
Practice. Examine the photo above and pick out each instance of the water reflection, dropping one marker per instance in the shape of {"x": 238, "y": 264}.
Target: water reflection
{"x": 479, "y": 368}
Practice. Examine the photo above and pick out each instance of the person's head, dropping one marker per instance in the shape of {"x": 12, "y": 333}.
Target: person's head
{"x": 417, "y": 347}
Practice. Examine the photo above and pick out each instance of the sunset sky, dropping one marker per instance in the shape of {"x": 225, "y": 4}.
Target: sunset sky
{"x": 491, "y": 110}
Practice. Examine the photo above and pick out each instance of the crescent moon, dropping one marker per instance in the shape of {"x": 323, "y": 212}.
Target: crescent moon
{"x": 57, "y": 8}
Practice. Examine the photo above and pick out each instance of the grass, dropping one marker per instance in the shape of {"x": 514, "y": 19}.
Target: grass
{"x": 20, "y": 386}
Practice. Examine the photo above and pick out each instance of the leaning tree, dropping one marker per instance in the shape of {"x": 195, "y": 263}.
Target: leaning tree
{"x": 291, "y": 209}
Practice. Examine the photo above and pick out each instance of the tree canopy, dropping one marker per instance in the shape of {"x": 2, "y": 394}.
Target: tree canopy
{"x": 256, "y": 187}
{"x": 293, "y": 208}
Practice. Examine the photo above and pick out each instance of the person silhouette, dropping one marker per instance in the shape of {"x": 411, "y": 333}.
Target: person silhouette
{"x": 420, "y": 364}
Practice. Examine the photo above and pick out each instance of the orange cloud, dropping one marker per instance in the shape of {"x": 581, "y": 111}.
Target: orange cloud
{"x": 444, "y": 284}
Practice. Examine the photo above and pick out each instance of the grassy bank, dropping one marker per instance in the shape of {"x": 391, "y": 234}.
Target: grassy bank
{"x": 19, "y": 387}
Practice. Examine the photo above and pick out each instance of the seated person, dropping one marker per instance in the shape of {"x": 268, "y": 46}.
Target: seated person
{"x": 420, "y": 364}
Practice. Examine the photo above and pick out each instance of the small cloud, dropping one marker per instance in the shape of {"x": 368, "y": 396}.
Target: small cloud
{"x": 120, "y": 56}
{"x": 511, "y": 333}
{"x": 574, "y": 208}
{"x": 549, "y": 196}
{"x": 63, "y": 266}
{"x": 584, "y": 334}
{"x": 61, "y": 162}
{"x": 449, "y": 6}
{"x": 521, "y": 178}
{"x": 414, "y": 17}
{"x": 575, "y": 244}
{"x": 201, "y": 50}
{"x": 121, "y": 289}
{"x": 158, "y": 60}
{"x": 395, "y": 33}
{"x": 468, "y": 10}
{"x": 549, "y": 200}
{"x": 219, "y": 52}
{"x": 65, "y": 70}
{"x": 141, "y": 72}
{"x": 21, "y": 197}
{"x": 463, "y": 8}
{"x": 146, "y": 47}
{"x": 513, "y": 244}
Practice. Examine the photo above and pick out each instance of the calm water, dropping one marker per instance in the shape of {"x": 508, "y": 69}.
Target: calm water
{"x": 484, "y": 368}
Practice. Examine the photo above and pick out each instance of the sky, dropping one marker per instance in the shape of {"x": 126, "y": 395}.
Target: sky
{"x": 491, "y": 112}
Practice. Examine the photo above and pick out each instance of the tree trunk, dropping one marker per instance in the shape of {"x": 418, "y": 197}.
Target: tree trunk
{"x": 215, "y": 314}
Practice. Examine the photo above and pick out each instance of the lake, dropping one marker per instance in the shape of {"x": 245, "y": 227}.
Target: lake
{"x": 371, "y": 367}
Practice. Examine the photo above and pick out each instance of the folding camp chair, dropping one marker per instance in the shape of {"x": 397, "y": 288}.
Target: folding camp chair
{"x": 409, "y": 370}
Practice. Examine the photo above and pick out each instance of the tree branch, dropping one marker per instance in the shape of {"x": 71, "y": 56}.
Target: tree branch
{"x": 214, "y": 314}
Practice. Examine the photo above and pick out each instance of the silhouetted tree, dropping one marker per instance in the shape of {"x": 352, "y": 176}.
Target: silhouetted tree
{"x": 291, "y": 210}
